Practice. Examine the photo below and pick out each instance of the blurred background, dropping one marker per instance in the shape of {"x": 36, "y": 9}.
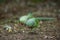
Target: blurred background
{"x": 11, "y": 10}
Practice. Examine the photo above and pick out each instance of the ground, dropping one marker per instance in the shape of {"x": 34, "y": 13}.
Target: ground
{"x": 48, "y": 30}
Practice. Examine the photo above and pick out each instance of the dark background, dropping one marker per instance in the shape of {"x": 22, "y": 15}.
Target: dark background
{"x": 11, "y": 10}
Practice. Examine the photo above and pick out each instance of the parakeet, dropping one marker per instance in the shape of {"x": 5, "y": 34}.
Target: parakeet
{"x": 32, "y": 21}
{"x": 24, "y": 18}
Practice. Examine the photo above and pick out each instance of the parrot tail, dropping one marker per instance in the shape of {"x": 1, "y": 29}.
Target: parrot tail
{"x": 46, "y": 18}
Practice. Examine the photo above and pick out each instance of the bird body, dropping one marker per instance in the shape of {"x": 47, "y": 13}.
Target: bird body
{"x": 33, "y": 22}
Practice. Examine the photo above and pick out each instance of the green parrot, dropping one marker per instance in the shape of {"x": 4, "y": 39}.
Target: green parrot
{"x": 24, "y": 18}
{"x": 32, "y": 21}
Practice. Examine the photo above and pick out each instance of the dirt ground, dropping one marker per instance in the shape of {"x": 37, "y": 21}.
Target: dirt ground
{"x": 10, "y": 13}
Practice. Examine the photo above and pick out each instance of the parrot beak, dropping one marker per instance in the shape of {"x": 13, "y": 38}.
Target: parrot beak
{"x": 21, "y": 23}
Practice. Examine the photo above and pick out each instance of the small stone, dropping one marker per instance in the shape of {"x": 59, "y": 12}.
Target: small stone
{"x": 41, "y": 22}
{"x": 45, "y": 37}
{"x": 23, "y": 31}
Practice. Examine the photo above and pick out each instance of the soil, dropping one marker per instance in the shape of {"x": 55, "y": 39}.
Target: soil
{"x": 10, "y": 13}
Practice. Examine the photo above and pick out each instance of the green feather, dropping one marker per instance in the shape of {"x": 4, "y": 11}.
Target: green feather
{"x": 24, "y": 18}
{"x": 46, "y": 18}
{"x": 33, "y": 22}
{"x": 30, "y": 14}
